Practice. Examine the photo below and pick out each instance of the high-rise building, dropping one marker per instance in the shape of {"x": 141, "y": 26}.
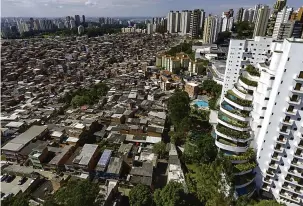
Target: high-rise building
{"x": 72, "y": 24}
{"x": 36, "y": 25}
{"x": 239, "y": 15}
{"x": 83, "y": 19}
{"x": 77, "y": 20}
{"x": 261, "y": 22}
{"x": 256, "y": 9}
{"x": 245, "y": 15}
{"x": 195, "y": 23}
{"x": 233, "y": 131}
{"x": 282, "y": 18}
{"x": 171, "y": 22}
{"x": 263, "y": 109}
{"x": 278, "y": 6}
{"x": 242, "y": 53}
{"x": 185, "y": 21}
{"x": 279, "y": 142}
{"x": 289, "y": 29}
{"x": 227, "y": 22}
{"x": 212, "y": 26}
{"x": 80, "y": 29}
{"x": 202, "y": 21}
{"x": 251, "y": 13}
{"x": 178, "y": 22}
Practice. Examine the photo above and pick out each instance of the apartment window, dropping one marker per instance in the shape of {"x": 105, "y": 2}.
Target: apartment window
{"x": 259, "y": 126}
{"x": 261, "y": 117}
{"x": 288, "y": 59}
{"x": 281, "y": 82}
{"x": 272, "y": 78}
{"x": 268, "y": 45}
{"x": 251, "y": 44}
{"x": 266, "y": 98}
{"x": 241, "y": 44}
{"x": 263, "y": 108}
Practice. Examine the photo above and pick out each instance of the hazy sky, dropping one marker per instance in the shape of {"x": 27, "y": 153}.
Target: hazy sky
{"x": 95, "y": 8}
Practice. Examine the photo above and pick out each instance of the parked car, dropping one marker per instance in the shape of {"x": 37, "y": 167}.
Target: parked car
{"x": 10, "y": 178}
{"x": 3, "y": 177}
{"x": 22, "y": 180}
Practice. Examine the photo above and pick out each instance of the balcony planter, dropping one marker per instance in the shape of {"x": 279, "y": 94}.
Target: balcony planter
{"x": 252, "y": 70}
{"x": 233, "y": 133}
{"x": 238, "y": 100}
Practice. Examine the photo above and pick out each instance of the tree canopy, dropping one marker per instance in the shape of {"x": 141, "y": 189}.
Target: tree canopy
{"x": 210, "y": 182}
{"x": 76, "y": 193}
{"x": 18, "y": 200}
{"x": 268, "y": 203}
{"x": 178, "y": 107}
{"x": 172, "y": 195}
{"x": 140, "y": 195}
{"x": 200, "y": 148}
{"x": 160, "y": 149}
{"x": 86, "y": 96}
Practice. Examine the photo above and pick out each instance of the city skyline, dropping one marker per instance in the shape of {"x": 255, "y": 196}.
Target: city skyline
{"x": 121, "y": 8}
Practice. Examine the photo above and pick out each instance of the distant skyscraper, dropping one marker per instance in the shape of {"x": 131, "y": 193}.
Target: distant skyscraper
{"x": 83, "y": 19}
{"x": 77, "y": 20}
{"x": 227, "y": 22}
{"x": 36, "y": 25}
{"x": 195, "y": 23}
{"x": 245, "y": 15}
{"x": 185, "y": 21}
{"x": 278, "y": 6}
{"x": 239, "y": 15}
{"x": 171, "y": 22}
{"x": 212, "y": 26}
{"x": 261, "y": 22}
{"x": 251, "y": 13}
{"x": 202, "y": 19}
{"x": 72, "y": 24}
{"x": 178, "y": 22}
{"x": 80, "y": 29}
{"x": 282, "y": 18}
{"x": 257, "y": 7}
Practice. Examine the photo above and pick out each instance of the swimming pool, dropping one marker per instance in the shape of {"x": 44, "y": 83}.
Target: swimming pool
{"x": 201, "y": 103}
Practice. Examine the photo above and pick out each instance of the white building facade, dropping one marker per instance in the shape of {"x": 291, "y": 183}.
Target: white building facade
{"x": 262, "y": 109}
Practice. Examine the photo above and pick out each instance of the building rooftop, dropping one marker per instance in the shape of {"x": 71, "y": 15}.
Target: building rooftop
{"x": 23, "y": 139}
{"x": 88, "y": 150}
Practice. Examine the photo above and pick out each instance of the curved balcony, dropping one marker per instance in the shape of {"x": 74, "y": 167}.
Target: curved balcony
{"x": 245, "y": 168}
{"x": 237, "y": 101}
{"x": 248, "y": 84}
{"x": 229, "y": 146}
{"x": 248, "y": 190}
{"x": 228, "y": 136}
{"x": 252, "y": 77}
{"x": 232, "y": 112}
{"x": 232, "y": 123}
{"x": 244, "y": 180}
{"x": 242, "y": 94}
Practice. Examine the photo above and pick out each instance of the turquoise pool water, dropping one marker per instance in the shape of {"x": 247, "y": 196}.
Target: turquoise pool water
{"x": 201, "y": 103}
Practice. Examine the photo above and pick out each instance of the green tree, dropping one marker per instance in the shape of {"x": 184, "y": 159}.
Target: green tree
{"x": 178, "y": 107}
{"x": 140, "y": 195}
{"x": 77, "y": 193}
{"x": 201, "y": 149}
{"x": 268, "y": 203}
{"x": 21, "y": 199}
{"x": 210, "y": 182}
{"x": 171, "y": 195}
{"x": 160, "y": 149}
